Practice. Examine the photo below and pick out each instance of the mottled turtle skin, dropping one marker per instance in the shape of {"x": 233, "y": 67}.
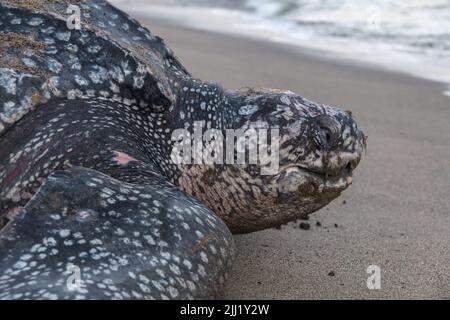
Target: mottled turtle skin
{"x": 87, "y": 180}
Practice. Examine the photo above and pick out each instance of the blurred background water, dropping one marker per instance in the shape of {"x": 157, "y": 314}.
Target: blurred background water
{"x": 412, "y": 36}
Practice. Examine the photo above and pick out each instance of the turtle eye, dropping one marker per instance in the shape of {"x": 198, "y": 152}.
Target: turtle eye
{"x": 327, "y": 135}
{"x": 326, "y": 131}
{"x": 322, "y": 137}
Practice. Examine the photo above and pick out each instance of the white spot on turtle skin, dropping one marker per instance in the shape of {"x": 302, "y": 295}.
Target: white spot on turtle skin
{"x": 52, "y": 85}
{"x": 99, "y": 75}
{"x": 202, "y": 271}
{"x": 48, "y": 30}
{"x": 157, "y": 285}
{"x": 72, "y": 47}
{"x": 35, "y": 22}
{"x": 85, "y": 215}
{"x": 76, "y": 66}
{"x": 204, "y": 257}
{"x": 119, "y": 232}
{"x": 54, "y": 65}
{"x": 174, "y": 268}
{"x": 191, "y": 285}
{"x": 248, "y": 110}
{"x": 199, "y": 234}
{"x": 94, "y": 48}
{"x": 8, "y": 80}
{"x": 173, "y": 292}
{"x": 139, "y": 82}
{"x": 81, "y": 81}
{"x": 63, "y": 36}
{"x": 26, "y": 257}
{"x": 149, "y": 239}
{"x": 77, "y": 235}
{"x": 160, "y": 273}
{"x": 73, "y": 94}
{"x": 114, "y": 88}
{"x": 20, "y": 265}
{"x": 28, "y": 62}
{"x": 188, "y": 264}
{"x": 64, "y": 233}
{"x": 9, "y": 107}
{"x": 126, "y": 68}
{"x": 117, "y": 74}
{"x": 49, "y": 242}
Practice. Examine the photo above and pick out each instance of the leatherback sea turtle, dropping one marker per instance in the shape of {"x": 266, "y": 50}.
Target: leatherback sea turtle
{"x": 92, "y": 202}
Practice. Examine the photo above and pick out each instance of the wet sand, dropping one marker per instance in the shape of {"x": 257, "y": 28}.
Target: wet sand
{"x": 396, "y": 215}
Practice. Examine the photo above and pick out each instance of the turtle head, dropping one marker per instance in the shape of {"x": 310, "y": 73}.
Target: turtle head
{"x": 281, "y": 157}
{"x": 312, "y": 151}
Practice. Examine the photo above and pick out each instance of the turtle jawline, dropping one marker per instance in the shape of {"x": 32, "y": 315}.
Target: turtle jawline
{"x": 329, "y": 182}
{"x": 324, "y": 176}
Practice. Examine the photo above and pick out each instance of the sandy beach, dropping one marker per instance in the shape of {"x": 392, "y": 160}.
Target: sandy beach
{"x": 396, "y": 215}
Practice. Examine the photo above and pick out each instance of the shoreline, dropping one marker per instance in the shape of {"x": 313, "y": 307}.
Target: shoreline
{"x": 200, "y": 19}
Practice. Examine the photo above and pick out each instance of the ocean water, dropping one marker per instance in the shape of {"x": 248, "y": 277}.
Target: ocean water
{"x": 411, "y": 36}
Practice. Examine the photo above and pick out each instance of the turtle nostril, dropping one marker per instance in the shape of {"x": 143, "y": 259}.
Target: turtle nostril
{"x": 349, "y": 167}
{"x": 328, "y": 135}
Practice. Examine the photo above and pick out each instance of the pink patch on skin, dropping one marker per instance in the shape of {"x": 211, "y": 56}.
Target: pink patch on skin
{"x": 122, "y": 158}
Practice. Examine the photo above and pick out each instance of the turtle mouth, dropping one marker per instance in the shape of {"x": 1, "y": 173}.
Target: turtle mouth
{"x": 298, "y": 178}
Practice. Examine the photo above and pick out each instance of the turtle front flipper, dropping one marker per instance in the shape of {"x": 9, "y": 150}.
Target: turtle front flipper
{"x": 85, "y": 235}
